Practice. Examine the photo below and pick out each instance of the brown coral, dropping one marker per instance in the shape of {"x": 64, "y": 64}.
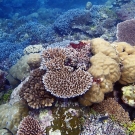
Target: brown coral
{"x": 29, "y": 126}
{"x": 34, "y": 93}
{"x": 63, "y": 81}
{"x": 114, "y": 109}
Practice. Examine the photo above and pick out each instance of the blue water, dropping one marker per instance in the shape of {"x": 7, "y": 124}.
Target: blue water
{"x": 29, "y": 22}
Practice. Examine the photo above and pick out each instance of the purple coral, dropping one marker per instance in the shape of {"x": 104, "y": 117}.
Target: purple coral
{"x": 126, "y": 31}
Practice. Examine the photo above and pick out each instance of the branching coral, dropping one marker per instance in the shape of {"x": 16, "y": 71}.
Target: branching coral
{"x": 114, "y": 109}
{"x": 34, "y": 93}
{"x": 63, "y": 81}
{"x": 29, "y": 126}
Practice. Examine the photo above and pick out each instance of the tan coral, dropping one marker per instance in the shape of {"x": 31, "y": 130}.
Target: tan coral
{"x": 100, "y": 45}
{"x": 105, "y": 72}
{"x": 126, "y": 52}
{"x": 33, "y": 49}
{"x": 34, "y": 60}
{"x": 34, "y": 93}
{"x": 21, "y": 69}
{"x": 11, "y": 115}
{"x": 128, "y": 70}
{"x": 123, "y": 49}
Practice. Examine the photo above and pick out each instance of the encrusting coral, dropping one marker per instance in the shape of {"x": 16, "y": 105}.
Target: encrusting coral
{"x": 114, "y": 109}
{"x": 63, "y": 81}
{"x": 106, "y": 72}
{"x": 34, "y": 92}
{"x": 29, "y": 126}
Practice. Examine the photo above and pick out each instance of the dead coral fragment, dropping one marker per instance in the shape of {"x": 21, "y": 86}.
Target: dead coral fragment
{"x": 34, "y": 93}
{"x": 29, "y": 126}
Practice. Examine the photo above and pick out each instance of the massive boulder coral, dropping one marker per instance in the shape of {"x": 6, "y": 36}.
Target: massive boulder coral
{"x": 126, "y": 53}
{"x": 106, "y": 72}
{"x": 34, "y": 92}
{"x": 11, "y": 115}
{"x": 63, "y": 81}
{"x": 101, "y": 45}
{"x": 22, "y": 68}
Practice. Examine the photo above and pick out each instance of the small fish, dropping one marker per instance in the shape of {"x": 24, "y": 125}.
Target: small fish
{"x": 8, "y": 130}
{"x": 103, "y": 118}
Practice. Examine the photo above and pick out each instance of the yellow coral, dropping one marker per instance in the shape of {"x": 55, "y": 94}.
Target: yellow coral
{"x": 100, "y": 45}
{"x": 129, "y": 95}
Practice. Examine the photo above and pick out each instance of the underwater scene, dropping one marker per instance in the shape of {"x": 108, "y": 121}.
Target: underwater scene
{"x": 67, "y": 67}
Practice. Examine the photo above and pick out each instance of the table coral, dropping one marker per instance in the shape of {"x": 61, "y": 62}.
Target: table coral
{"x": 63, "y": 81}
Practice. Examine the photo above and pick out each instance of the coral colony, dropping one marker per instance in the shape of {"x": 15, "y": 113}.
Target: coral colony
{"x": 67, "y": 68}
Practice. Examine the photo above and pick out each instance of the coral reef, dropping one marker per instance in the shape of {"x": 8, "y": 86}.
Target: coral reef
{"x": 64, "y": 76}
{"x": 125, "y": 11}
{"x": 114, "y": 110}
{"x": 29, "y": 126}
{"x": 64, "y": 23}
{"x": 125, "y": 31}
{"x": 34, "y": 93}
{"x": 11, "y": 115}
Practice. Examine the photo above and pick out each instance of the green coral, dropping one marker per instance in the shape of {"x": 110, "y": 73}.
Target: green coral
{"x": 6, "y": 97}
{"x": 130, "y": 127}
